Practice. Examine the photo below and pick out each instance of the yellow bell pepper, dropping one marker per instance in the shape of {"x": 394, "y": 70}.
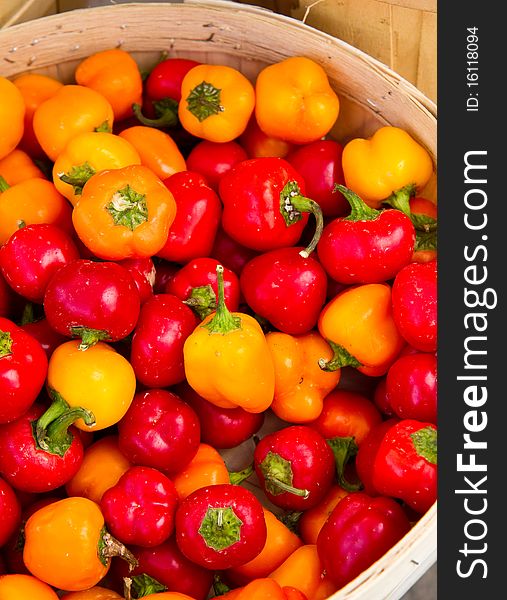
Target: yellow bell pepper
{"x": 99, "y": 380}
{"x": 227, "y": 359}
{"x": 391, "y": 159}
{"x": 86, "y": 154}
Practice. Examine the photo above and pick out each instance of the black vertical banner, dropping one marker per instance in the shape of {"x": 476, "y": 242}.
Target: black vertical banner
{"x": 472, "y": 355}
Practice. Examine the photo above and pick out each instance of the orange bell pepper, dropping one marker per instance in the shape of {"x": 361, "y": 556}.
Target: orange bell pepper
{"x": 35, "y": 89}
{"x": 114, "y": 74}
{"x": 257, "y": 144}
{"x": 358, "y": 324}
{"x": 18, "y": 166}
{"x": 233, "y": 368}
{"x": 86, "y": 154}
{"x": 312, "y": 520}
{"x": 157, "y": 150}
{"x": 124, "y": 213}
{"x": 71, "y": 110}
{"x": 294, "y": 101}
{"x": 12, "y": 114}
{"x": 264, "y": 589}
{"x": 29, "y": 202}
{"x": 206, "y": 468}
{"x": 281, "y": 542}
{"x": 18, "y": 586}
{"x": 300, "y": 384}
{"x": 216, "y": 102}
{"x": 391, "y": 159}
{"x": 103, "y": 465}
{"x": 94, "y": 593}
{"x": 302, "y": 570}
{"x": 67, "y": 546}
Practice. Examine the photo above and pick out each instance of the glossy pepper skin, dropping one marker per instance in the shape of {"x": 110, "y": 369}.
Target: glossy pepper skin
{"x": 197, "y": 286}
{"x": 124, "y": 213}
{"x": 415, "y": 305}
{"x": 301, "y": 570}
{"x": 156, "y": 354}
{"x": 108, "y": 311}
{"x": 35, "y": 89}
{"x": 86, "y": 154}
{"x": 12, "y": 114}
{"x": 360, "y": 321}
{"x": 220, "y": 526}
{"x": 32, "y": 255}
{"x": 285, "y": 288}
{"x": 23, "y": 370}
{"x": 38, "y": 451}
{"x": 114, "y": 74}
{"x": 300, "y": 384}
{"x": 157, "y": 149}
{"x": 405, "y": 464}
{"x": 320, "y": 164}
{"x": 411, "y": 387}
{"x": 32, "y": 201}
{"x": 227, "y": 360}
{"x": 391, "y": 159}
{"x": 140, "y": 508}
{"x": 221, "y": 427}
{"x": 216, "y": 102}
{"x": 281, "y": 542}
{"x": 367, "y": 246}
{"x": 264, "y": 588}
{"x": 264, "y": 204}
{"x": 18, "y": 166}
{"x": 295, "y": 467}
{"x": 102, "y": 465}
{"x": 17, "y": 586}
{"x": 294, "y": 100}
{"x": 71, "y": 110}
{"x": 10, "y": 509}
{"x": 67, "y": 546}
{"x": 159, "y": 430}
{"x": 198, "y": 213}
{"x": 107, "y": 380}
{"x": 358, "y": 532}
{"x": 212, "y": 160}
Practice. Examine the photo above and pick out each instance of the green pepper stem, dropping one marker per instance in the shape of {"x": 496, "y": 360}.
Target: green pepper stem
{"x": 202, "y": 301}
{"x": 400, "y": 199}
{"x": 344, "y": 448}
{"x": 341, "y": 358}
{"x": 293, "y": 204}
{"x": 89, "y": 337}
{"x": 360, "y": 211}
{"x": 223, "y": 321}
{"x": 204, "y": 101}
{"x": 287, "y": 488}
{"x": 168, "y": 112}
{"x": 5, "y": 343}
{"x": 237, "y": 477}
{"x": 3, "y": 184}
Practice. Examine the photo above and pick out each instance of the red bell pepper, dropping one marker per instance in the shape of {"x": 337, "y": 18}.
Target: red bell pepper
{"x": 142, "y": 270}
{"x": 23, "y": 370}
{"x": 230, "y": 253}
{"x": 264, "y": 204}
{"x": 159, "y": 430}
{"x": 40, "y": 451}
{"x": 405, "y": 464}
{"x": 415, "y": 305}
{"x": 93, "y": 301}
{"x": 214, "y": 159}
{"x": 320, "y": 164}
{"x": 32, "y": 255}
{"x": 285, "y": 288}
{"x": 10, "y": 509}
{"x": 359, "y": 531}
{"x": 221, "y": 526}
{"x": 368, "y": 246}
{"x": 195, "y": 284}
{"x": 140, "y": 508}
{"x": 156, "y": 352}
{"x": 198, "y": 213}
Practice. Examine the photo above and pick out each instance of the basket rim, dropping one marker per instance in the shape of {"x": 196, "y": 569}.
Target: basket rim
{"x": 382, "y": 69}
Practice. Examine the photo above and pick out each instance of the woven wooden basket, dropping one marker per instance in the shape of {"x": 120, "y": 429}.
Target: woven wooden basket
{"x": 249, "y": 38}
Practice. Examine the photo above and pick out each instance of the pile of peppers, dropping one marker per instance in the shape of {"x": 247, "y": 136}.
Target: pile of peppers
{"x": 218, "y": 334}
